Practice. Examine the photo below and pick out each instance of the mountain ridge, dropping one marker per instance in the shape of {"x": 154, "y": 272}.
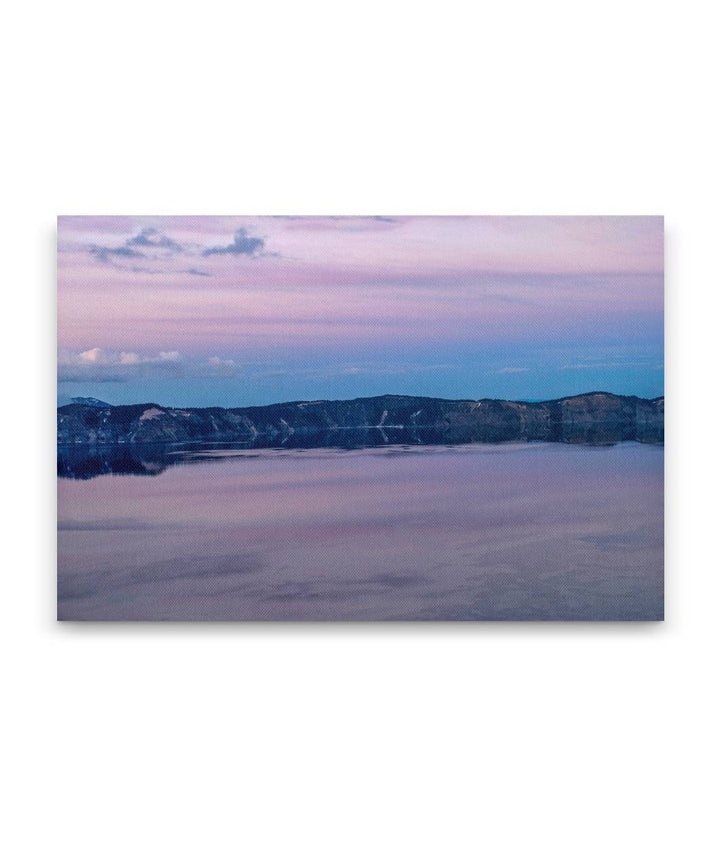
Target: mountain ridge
{"x": 632, "y": 417}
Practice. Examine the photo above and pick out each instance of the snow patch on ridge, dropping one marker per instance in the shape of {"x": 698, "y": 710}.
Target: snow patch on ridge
{"x": 151, "y": 413}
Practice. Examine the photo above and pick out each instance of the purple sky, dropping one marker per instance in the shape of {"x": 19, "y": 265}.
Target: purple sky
{"x": 245, "y": 310}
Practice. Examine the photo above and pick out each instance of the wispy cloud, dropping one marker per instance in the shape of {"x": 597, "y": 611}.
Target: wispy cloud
{"x": 368, "y": 370}
{"x": 243, "y": 244}
{"x": 152, "y": 239}
{"x": 340, "y": 223}
{"x": 618, "y": 365}
{"x": 512, "y": 370}
{"x": 223, "y": 368}
{"x": 106, "y": 254}
{"x": 99, "y": 365}
{"x": 147, "y": 244}
{"x": 152, "y": 251}
{"x": 100, "y": 357}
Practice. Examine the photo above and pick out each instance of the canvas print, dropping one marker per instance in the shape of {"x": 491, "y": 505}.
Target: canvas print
{"x": 367, "y": 418}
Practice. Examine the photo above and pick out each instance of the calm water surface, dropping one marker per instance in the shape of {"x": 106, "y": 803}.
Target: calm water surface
{"x": 513, "y": 531}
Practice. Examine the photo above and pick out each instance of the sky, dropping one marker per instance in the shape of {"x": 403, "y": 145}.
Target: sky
{"x": 235, "y": 311}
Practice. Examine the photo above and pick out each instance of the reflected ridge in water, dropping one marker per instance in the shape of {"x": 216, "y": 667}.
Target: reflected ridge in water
{"x": 83, "y": 462}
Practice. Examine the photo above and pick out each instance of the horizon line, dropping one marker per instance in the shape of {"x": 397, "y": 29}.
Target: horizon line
{"x": 78, "y": 400}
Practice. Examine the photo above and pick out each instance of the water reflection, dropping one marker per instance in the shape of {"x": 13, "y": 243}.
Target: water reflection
{"x": 85, "y": 462}
{"x": 462, "y": 532}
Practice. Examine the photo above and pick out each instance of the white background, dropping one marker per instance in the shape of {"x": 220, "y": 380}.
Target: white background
{"x": 506, "y": 739}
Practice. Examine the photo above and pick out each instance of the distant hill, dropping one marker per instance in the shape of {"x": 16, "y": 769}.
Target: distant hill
{"x": 592, "y": 415}
{"x": 90, "y": 402}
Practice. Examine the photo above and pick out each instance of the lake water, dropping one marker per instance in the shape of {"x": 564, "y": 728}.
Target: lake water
{"x": 478, "y": 531}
